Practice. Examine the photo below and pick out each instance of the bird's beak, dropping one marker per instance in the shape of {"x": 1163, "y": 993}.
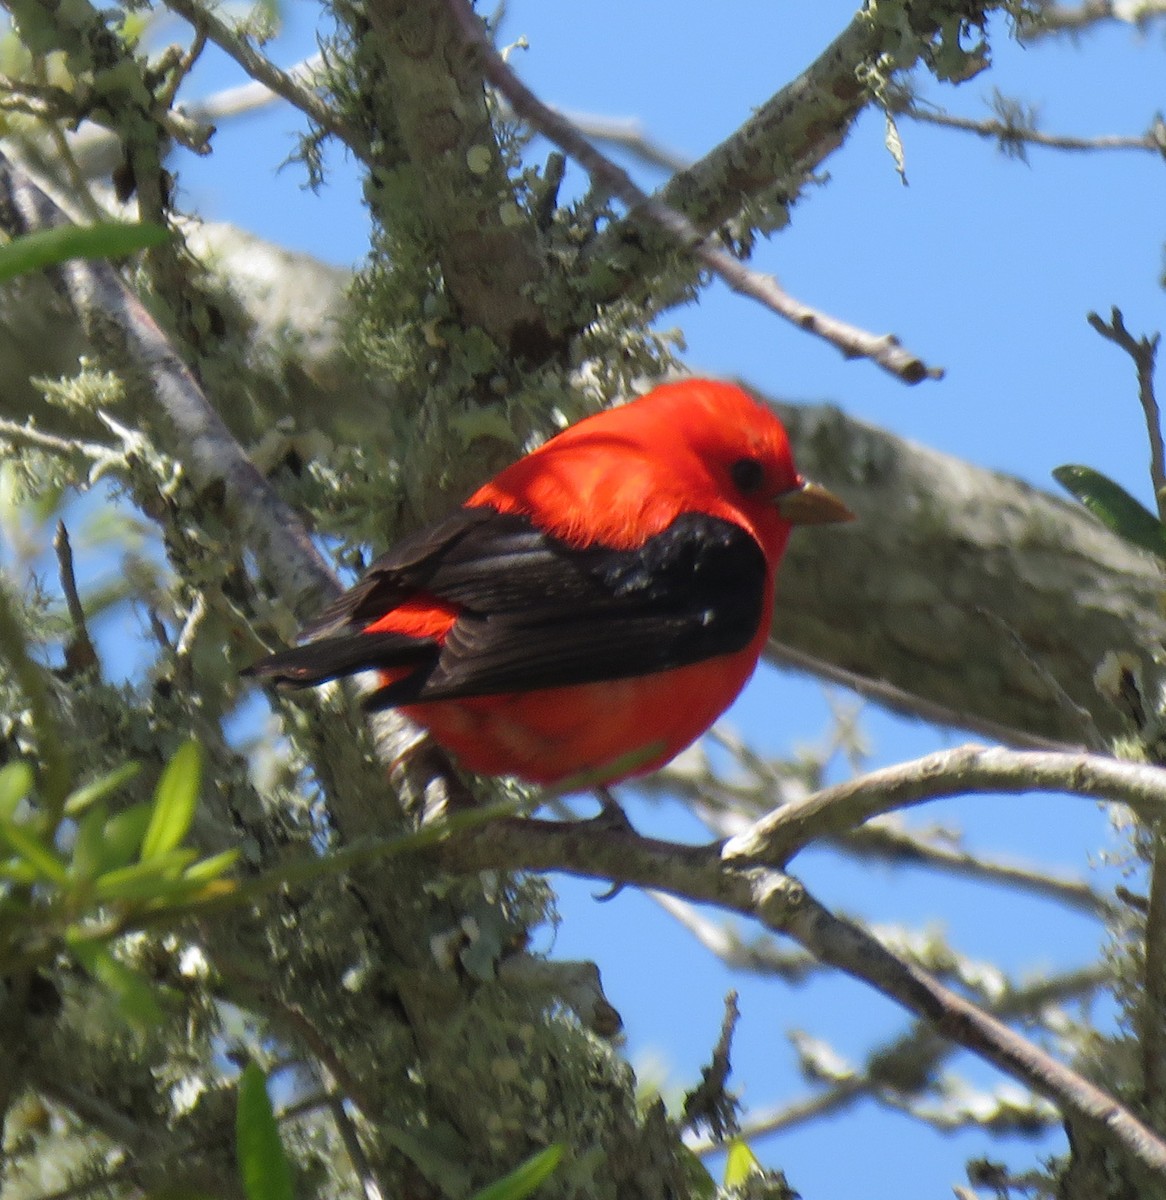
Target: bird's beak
{"x": 812, "y": 504}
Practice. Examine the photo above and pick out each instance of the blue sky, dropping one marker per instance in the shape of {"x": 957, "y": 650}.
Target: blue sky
{"x": 982, "y": 264}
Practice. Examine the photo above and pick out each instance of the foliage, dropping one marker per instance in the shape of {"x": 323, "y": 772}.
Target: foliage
{"x": 262, "y": 947}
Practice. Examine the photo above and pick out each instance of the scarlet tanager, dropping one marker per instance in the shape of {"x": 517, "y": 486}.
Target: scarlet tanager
{"x": 608, "y": 594}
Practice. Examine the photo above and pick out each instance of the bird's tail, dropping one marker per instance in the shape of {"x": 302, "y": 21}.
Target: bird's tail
{"x": 331, "y": 658}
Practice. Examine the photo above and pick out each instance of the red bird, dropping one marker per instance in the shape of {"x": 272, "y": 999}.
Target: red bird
{"x": 594, "y": 607}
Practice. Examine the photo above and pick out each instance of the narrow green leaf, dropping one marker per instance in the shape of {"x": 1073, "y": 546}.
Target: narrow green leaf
{"x": 174, "y": 801}
{"x": 698, "y": 1182}
{"x": 48, "y": 247}
{"x": 740, "y": 1163}
{"x": 103, "y": 786}
{"x": 16, "y": 870}
{"x": 16, "y": 780}
{"x": 124, "y": 832}
{"x": 593, "y": 777}
{"x": 146, "y": 880}
{"x": 47, "y": 863}
{"x": 262, "y": 1161}
{"x": 524, "y": 1178}
{"x": 89, "y": 856}
{"x": 177, "y": 896}
{"x": 208, "y": 869}
{"x": 1114, "y": 507}
{"x": 135, "y": 997}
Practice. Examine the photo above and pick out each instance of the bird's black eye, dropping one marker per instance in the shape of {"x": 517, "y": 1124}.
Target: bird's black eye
{"x": 748, "y": 474}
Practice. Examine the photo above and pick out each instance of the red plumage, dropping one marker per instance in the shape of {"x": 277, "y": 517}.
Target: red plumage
{"x": 595, "y": 606}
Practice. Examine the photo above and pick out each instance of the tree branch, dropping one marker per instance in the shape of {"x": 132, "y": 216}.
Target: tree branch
{"x": 782, "y": 904}
{"x": 1152, "y": 1002}
{"x": 781, "y": 834}
{"x": 896, "y": 598}
{"x": 852, "y": 342}
{"x": 489, "y": 256}
{"x": 883, "y": 841}
{"x": 1053, "y": 18}
{"x": 111, "y": 311}
{"x": 884, "y": 606}
{"x": 1014, "y": 136}
{"x": 288, "y": 84}
{"x": 769, "y": 158}
{"x": 909, "y": 1064}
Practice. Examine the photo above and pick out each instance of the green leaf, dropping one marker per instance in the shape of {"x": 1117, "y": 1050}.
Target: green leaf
{"x": 102, "y": 786}
{"x": 47, "y": 863}
{"x": 262, "y": 1161}
{"x": 135, "y": 997}
{"x": 740, "y": 1163}
{"x": 124, "y": 832}
{"x": 487, "y": 421}
{"x": 174, "y": 801}
{"x": 525, "y": 1177}
{"x": 16, "y": 870}
{"x": 1114, "y": 507}
{"x": 147, "y": 880}
{"x": 697, "y": 1180}
{"x": 90, "y": 854}
{"x": 49, "y": 247}
{"x": 16, "y": 780}
{"x": 208, "y": 869}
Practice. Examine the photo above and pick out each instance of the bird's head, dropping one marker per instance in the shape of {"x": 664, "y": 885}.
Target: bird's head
{"x": 743, "y": 451}
{"x": 627, "y": 473}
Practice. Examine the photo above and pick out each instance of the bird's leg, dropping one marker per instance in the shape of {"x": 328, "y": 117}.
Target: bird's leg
{"x": 611, "y": 814}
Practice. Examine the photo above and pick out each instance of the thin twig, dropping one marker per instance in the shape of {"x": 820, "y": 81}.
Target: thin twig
{"x": 1052, "y": 19}
{"x": 98, "y": 150}
{"x": 779, "y": 835}
{"x": 852, "y": 342}
{"x": 1076, "y": 712}
{"x": 762, "y": 955}
{"x": 180, "y": 68}
{"x": 79, "y": 653}
{"x": 907, "y": 703}
{"x": 56, "y": 767}
{"x": 629, "y": 135}
{"x": 260, "y": 68}
{"x": 369, "y": 1184}
{"x": 1144, "y": 352}
{"x": 30, "y": 435}
{"x": 211, "y": 454}
{"x": 709, "y": 1103}
{"x": 892, "y": 844}
{"x": 255, "y": 989}
{"x": 1009, "y": 134}
{"x": 90, "y": 1109}
{"x": 724, "y": 808}
{"x": 782, "y": 1118}
{"x": 1152, "y": 1006}
{"x": 907, "y": 1064}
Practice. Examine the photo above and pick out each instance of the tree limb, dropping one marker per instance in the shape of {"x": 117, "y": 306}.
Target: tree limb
{"x": 770, "y": 156}
{"x": 852, "y": 342}
{"x": 896, "y": 598}
{"x": 781, "y": 834}
{"x": 782, "y": 904}
{"x": 105, "y": 305}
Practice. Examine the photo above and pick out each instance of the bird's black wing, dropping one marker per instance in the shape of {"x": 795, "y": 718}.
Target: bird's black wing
{"x": 397, "y": 574}
{"x": 536, "y": 612}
